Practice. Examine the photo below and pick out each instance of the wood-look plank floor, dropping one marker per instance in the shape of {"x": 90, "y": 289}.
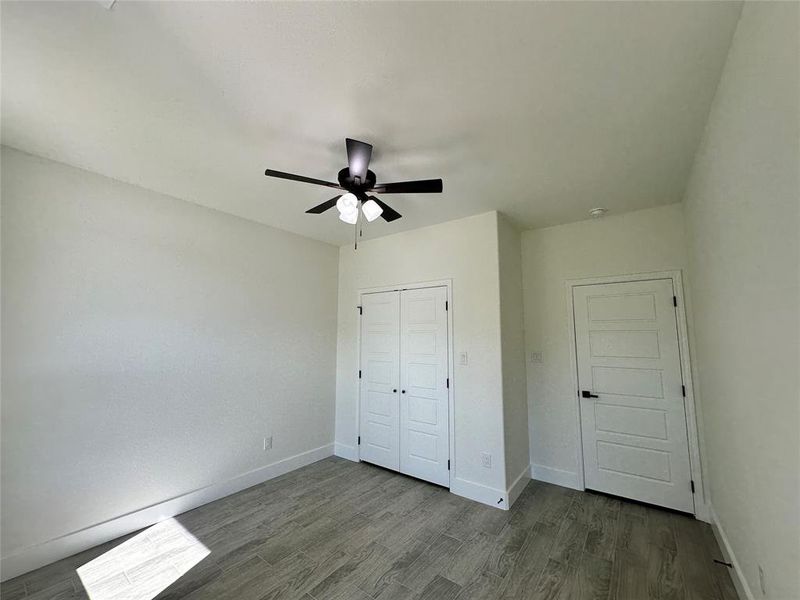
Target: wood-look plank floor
{"x": 338, "y": 530}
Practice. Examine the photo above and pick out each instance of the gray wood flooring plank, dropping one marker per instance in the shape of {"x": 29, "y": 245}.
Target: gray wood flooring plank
{"x": 664, "y": 578}
{"x": 240, "y": 583}
{"x": 62, "y": 590}
{"x": 274, "y": 551}
{"x": 350, "y": 592}
{"x": 529, "y": 507}
{"x": 484, "y": 586}
{"x": 570, "y": 542}
{"x": 324, "y": 569}
{"x": 628, "y": 577}
{"x": 581, "y": 507}
{"x": 521, "y": 580}
{"x": 338, "y": 530}
{"x": 470, "y": 558}
{"x": 634, "y": 509}
{"x": 478, "y": 518}
{"x": 13, "y": 589}
{"x": 438, "y": 514}
{"x": 659, "y": 525}
{"x": 384, "y": 574}
{"x": 694, "y": 558}
{"x": 430, "y": 563}
{"x": 556, "y": 503}
{"x": 335, "y": 538}
{"x": 506, "y": 549}
{"x": 632, "y": 534}
{"x": 349, "y": 574}
{"x": 556, "y": 581}
{"x": 440, "y": 588}
{"x": 288, "y": 577}
{"x": 395, "y": 591}
{"x": 593, "y": 579}
{"x": 200, "y": 575}
{"x": 602, "y": 535}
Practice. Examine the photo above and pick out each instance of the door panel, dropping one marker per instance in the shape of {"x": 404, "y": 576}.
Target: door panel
{"x": 634, "y": 436}
{"x": 424, "y": 437}
{"x": 380, "y": 363}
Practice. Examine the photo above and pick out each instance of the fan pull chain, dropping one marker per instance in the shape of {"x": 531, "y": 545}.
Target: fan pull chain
{"x": 358, "y": 221}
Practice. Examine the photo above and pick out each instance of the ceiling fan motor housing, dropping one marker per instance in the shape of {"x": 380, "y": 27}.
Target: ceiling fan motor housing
{"x": 355, "y": 184}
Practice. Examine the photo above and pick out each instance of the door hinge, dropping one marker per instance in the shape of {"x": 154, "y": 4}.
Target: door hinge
{"x": 448, "y": 464}
{"x": 360, "y": 310}
{"x": 359, "y": 373}
{"x": 446, "y": 305}
{"x": 691, "y": 483}
{"x": 683, "y": 390}
{"x": 675, "y": 301}
{"x": 448, "y": 383}
{"x": 359, "y": 440}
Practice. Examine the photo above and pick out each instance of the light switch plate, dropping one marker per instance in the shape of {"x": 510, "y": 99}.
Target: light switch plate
{"x": 463, "y": 359}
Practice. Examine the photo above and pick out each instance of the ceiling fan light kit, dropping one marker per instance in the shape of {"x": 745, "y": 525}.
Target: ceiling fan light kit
{"x": 371, "y": 210}
{"x": 358, "y": 181}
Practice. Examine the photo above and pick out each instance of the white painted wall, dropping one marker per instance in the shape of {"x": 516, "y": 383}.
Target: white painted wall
{"x": 465, "y": 251}
{"x": 512, "y": 330}
{"x": 636, "y": 242}
{"x": 148, "y": 345}
{"x": 743, "y": 228}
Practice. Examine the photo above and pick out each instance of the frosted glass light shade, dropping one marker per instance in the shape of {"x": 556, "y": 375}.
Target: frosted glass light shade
{"x": 371, "y": 210}
{"x": 349, "y": 216}
{"x": 347, "y": 203}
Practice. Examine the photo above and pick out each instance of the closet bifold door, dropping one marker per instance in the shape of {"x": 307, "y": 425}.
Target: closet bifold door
{"x": 379, "y": 379}
{"x": 424, "y": 437}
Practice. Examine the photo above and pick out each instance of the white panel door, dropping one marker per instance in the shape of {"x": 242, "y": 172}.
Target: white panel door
{"x": 634, "y": 421}
{"x": 380, "y": 363}
{"x": 424, "y": 439}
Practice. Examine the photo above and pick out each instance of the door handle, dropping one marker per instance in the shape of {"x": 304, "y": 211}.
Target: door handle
{"x": 394, "y": 391}
{"x": 402, "y": 391}
{"x": 588, "y": 394}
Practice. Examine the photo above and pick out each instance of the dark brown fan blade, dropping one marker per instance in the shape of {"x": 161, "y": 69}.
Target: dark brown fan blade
{"x": 282, "y": 175}
{"x": 321, "y": 208}
{"x": 358, "y": 157}
{"x": 389, "y": 214}
{"x": 423, "y": 186}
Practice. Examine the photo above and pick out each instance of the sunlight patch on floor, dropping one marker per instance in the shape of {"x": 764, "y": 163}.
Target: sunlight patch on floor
{"x": 143, "y": 566}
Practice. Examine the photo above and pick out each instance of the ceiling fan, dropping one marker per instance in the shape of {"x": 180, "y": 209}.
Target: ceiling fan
{"x": 358, "y": 183}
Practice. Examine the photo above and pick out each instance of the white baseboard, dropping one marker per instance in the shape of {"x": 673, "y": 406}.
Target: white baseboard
{"x": 739, "y": 581}
{"x": 556, "y": 476}
{"x": 479, "y": 492}
{"x": 518, "y": 485}
{"x": 33, "y": 557}
{"x": 345, "y": 451}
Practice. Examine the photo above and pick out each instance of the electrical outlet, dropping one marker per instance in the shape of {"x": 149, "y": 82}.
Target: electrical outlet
{"x": 486, "y": 460}
{"x": 268, "y": 443}
{"x": 762, "y": 580}
{"x": 536, "y": 357}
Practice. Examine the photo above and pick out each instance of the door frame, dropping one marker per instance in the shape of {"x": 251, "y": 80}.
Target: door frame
{"x": 448, "y": 285}
{"x": 701, "y": 510}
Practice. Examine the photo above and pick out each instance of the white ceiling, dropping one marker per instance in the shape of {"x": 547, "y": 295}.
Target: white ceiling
{"x": 540, "y": 110}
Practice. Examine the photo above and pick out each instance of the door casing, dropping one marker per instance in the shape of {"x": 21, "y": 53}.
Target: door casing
{"x": 448, "y": 284}
{"x": 702, "y": 511}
